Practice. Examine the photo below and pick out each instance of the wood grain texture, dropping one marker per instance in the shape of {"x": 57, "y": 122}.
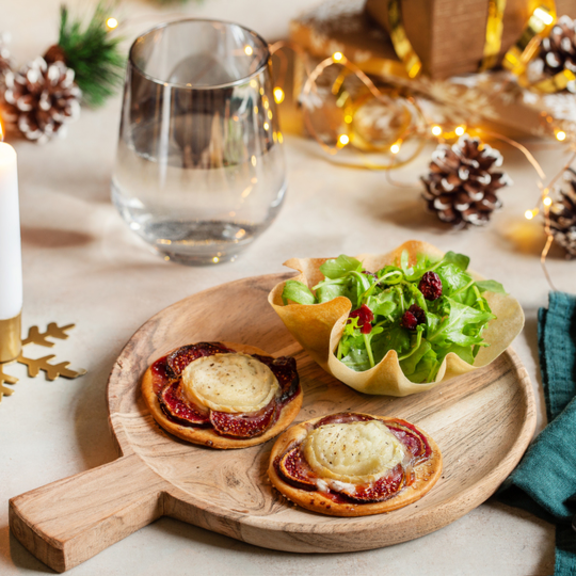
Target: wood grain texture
{"x": 482, "y": 422}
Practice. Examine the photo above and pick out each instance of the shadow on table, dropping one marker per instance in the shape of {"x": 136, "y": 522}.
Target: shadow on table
{"x": 531, "y": 334}
{"x": 411, "y": 214}
{"x": 93, "y": 432}
{"x": 14, "y": 553}
{"x": 53, "y": 238}
{"x": 355, "y": 562}
{"x": 524, "y": 237}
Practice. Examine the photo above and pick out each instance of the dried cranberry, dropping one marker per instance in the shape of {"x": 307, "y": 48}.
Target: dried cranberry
{"x": 412, "y": 317}
{"x": 365, "y": 316}
{"x": 373, "y": 274}
{"x": 431, "y": 286}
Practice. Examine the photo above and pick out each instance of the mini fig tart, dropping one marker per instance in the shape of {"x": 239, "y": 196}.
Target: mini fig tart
{"x": 352, "y": 464}
{"x": 223, "y": 395}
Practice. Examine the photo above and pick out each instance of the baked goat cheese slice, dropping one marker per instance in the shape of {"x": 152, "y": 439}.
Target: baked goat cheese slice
{"x": 356, "y": 452}
{"x": 232, "y": 383}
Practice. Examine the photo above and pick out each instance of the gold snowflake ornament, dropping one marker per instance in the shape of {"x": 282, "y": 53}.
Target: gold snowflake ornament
{"x": 37, "y": 365}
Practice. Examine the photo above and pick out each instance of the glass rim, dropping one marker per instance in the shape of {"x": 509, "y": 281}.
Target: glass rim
{"x": 261, "y": 65}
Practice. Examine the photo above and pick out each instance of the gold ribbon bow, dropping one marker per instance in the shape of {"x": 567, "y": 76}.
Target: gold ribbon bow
{"x": 516, "y": 60}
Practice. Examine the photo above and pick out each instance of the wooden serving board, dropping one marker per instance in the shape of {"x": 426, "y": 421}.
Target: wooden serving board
{"x": 482, "y": 422}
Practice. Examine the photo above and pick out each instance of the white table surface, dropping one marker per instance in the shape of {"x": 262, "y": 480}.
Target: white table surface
{"x": 82, "y": 264}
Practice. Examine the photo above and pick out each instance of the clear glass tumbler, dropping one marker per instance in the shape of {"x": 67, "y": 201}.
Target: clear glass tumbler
{"x": 200, "y": 167}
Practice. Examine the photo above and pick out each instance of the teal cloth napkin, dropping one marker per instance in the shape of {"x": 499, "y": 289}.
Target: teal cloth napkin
{"x": 545, "y": 480}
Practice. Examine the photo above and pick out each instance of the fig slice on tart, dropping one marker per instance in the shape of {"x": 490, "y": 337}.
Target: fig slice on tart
{"x": 383, "y": 489}
{"x": 180, "y": 358}
{"x": 244, "y": 425}
{"x": 222, "y": 395}
{"x": 352, "y": 464}
{"x": 414, "y": 440}
{"x": 180, "y": 410}
{"x": 295, "y": 470}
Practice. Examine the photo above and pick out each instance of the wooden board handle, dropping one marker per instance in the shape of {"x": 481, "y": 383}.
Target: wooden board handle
{"x": 71, "y": 520}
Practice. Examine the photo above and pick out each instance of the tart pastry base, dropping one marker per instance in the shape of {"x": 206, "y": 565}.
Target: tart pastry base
{"x": 207, "y": 436}
{"x": 426, "y": 474}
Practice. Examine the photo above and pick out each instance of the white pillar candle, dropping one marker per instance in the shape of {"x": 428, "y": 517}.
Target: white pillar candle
{"x": 10, "y": 252}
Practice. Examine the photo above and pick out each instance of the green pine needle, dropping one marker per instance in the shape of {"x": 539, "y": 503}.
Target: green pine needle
{"x": 93, "y": 54}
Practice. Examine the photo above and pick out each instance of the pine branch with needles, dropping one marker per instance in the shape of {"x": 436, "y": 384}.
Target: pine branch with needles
{"x": 93, "y": 53}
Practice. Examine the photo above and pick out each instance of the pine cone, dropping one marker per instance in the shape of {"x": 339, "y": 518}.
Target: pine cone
{"x": 563, "y": 217}
{"x": 461, "y": 187}
{"x": 557, "y": 52}
{"x": 42, "y": 99}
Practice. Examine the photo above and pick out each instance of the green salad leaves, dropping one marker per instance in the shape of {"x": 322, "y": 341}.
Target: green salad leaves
{"x": 422, "y": 311}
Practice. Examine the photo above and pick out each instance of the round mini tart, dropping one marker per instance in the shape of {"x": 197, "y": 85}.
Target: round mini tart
{"x": 223, "y": 395}
{"x": 352, "y": 464}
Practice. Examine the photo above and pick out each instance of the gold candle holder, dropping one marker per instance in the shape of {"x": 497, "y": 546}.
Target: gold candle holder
{"x": 10, "y": 338}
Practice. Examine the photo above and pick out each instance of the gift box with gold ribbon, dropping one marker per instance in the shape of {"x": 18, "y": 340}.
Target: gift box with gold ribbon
{"x": 443, "y": 38}
{"x": 512, "y": 103}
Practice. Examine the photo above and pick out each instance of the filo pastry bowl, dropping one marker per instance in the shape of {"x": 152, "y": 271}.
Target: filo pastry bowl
{"x": 319, "y": 327}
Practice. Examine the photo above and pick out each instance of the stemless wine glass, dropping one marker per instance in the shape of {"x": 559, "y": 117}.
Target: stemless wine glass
{"x": 200, "y": 164}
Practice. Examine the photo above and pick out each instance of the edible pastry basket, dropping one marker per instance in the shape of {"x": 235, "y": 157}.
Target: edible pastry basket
{"x": 318, "y": 328}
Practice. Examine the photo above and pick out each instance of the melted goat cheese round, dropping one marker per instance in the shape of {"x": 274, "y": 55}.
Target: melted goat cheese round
{"x": 230, "y": 383}
{"x": 355, "y": 452}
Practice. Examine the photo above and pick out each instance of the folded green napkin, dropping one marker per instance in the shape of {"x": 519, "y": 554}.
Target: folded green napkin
{"x": 545, "y": 480}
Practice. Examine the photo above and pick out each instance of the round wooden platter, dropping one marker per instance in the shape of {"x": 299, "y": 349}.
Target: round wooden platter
{"x": 482, "y": 422}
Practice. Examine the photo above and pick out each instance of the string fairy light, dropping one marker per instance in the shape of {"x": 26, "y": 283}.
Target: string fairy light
{"x": 560, "y": 135}
{"x": 343, "y": 140}
{"x": 111, "y": 23}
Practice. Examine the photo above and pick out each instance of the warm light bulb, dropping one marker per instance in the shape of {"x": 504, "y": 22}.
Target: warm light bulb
{"x": 436, "y": 130}
{"x": 460, "y": 130}
{"x": 544, "y": 16}
{"x": 215, "y": 259}
{"x": 395, "y": 148}
{"x": 343, "y": 139}
{"x": 337, "y": 56}
{"x": 529, "y": 214}
{"x": 248, "y": 50}
{"x": 348, "y": 119}
{"x": 266, "y": 126}
{"x": 278, "y": 95}
{"x": 560, "y": 135}
{"x": 547, "y": 201}
{"x": 112, "y": 23}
